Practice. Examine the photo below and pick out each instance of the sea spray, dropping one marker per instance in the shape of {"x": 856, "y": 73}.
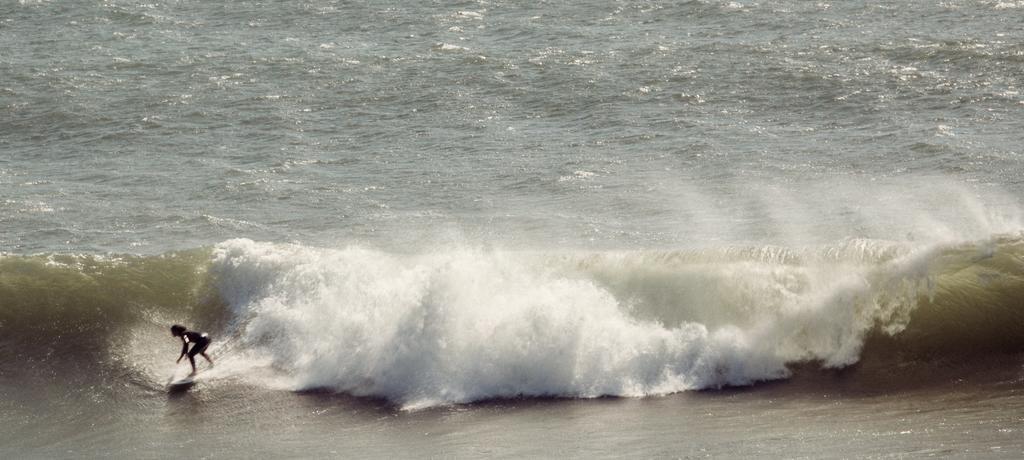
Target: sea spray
{"x": 466, "y": 324}
{"x": 471, "y": 324}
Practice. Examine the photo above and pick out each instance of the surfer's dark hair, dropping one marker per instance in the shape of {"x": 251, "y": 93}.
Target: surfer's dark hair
{"x": 178, "y": 329}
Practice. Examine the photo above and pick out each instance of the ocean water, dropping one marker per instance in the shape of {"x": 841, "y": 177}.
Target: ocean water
{"x": 513, "y": 229}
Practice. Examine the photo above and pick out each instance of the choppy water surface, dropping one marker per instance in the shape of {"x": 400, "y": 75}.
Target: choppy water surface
{"x": 133, "y": 126}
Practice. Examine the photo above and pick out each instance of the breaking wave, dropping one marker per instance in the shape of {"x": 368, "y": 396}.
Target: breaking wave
{"x": 472, "y": 324}
{"x": 469, "y": 324}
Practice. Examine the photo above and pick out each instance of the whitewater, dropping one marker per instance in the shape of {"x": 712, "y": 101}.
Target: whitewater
{"x": 468, "y": 325}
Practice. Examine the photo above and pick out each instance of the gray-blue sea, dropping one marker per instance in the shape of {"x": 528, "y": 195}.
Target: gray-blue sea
{"x": 646, "y": 229}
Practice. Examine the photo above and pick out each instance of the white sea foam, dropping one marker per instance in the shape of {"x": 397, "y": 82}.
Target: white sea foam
{"x": 468, "y": 324}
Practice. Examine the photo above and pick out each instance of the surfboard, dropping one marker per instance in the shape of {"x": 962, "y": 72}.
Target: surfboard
{"x": 182, "y": 384}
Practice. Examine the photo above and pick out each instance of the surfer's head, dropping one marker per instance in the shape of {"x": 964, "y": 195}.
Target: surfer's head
{"x": 177, "y": 330}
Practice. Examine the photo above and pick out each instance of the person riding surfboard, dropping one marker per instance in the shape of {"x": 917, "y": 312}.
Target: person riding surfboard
{"x": 199, "y": 341}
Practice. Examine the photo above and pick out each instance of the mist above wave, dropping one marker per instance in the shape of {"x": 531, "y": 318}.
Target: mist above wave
{"x": 470, "y": 324}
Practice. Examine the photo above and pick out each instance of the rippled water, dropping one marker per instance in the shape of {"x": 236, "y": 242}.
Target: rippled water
{"x": 147, "y": 126}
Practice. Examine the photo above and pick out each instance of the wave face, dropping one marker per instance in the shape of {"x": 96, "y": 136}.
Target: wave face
{"x": 470, "y": 324}
{"x": 78, "y": 303}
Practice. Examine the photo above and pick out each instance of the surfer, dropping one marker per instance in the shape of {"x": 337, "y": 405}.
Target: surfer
{"x": 199, "y": 341}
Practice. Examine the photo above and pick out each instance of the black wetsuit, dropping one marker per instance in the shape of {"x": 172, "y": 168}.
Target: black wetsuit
{"x": 199, "y": 343}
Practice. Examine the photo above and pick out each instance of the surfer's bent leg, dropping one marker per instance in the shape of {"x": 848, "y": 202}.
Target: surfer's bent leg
{"x": 199, "y": 349}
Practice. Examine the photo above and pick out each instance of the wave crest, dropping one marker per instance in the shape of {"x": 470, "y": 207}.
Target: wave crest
{"x": 466, "y": 325}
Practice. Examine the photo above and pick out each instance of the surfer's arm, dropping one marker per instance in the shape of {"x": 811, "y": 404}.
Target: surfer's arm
{"x": 184, "y": 349}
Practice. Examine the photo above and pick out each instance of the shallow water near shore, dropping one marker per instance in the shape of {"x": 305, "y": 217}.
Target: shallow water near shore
{"x": 794, "y": 419}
